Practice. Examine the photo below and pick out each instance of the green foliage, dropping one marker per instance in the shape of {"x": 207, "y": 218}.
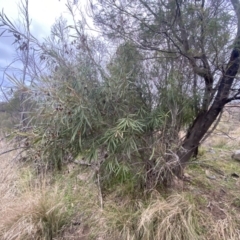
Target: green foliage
{"x": 77, "y": 113}
{"x": 122, "y": 112}
{"x": 180, "y": 105}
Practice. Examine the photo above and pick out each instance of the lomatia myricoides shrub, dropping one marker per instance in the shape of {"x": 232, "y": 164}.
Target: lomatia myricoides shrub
{"x": 114, "y": 120}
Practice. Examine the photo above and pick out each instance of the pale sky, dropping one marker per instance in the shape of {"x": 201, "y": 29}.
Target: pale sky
{"x": 43, "y": 14}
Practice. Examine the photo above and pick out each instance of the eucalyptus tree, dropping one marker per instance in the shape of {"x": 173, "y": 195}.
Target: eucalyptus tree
{"x": 201, "y": 36}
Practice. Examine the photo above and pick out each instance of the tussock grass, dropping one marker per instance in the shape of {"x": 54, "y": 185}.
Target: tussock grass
{"x": 170, "y": 219}
{"x": 38, "y": 215}
{"x": 31, "y": 207}
{"x": 27, "y": 212}
{"x": 225, "y": 229}
{"x": 180, "y": 216}
{"x": 155, "y": 218}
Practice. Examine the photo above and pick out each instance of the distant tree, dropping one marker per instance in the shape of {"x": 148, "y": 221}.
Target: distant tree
{"x": 26, "y": 57}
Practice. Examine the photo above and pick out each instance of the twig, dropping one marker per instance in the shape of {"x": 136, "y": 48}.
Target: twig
{"x": 16, "y": 157}
{"x": 224, "y": 133}
{"x": 11, "y": 150}
{"x": 79, "y": 162}
{"x": 99, "y": 191}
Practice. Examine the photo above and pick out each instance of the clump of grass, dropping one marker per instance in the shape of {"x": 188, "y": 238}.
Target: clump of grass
{"x": 224, "y": 229}
{"x": 30, "y": 209}
{"x": 33, "y": 208}
{"x": 170, "y": 219}
{"x": 8, "y": 178}
{"x": 201, "y": 151}
{"x": 155, "y": 218}
{"x": 35, "y": 215}
{"x": 120, "y": 219}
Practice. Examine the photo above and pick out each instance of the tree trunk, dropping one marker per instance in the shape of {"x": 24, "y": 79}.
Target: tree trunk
{"x": 204, "y": 120}
{"x": 207, "y": 116}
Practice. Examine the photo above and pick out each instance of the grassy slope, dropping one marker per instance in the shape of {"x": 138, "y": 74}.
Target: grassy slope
{"x": 66, "y": 205}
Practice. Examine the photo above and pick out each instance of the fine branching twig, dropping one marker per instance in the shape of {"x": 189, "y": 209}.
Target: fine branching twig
{"x": 13, "y": 149}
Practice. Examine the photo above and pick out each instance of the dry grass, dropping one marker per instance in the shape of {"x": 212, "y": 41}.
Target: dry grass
{"x": 66, "y": 206}
{"x": 38, "y": 215}
{"x": 31, "y": 207}
{"x": 27, "y": 212}
{"x": 155, "y": 218}
{"x": 170, "y": 219}
{"x": 180, "y": 216}
{"x": 227, "y": 134}
{"x": 225, "y": 229}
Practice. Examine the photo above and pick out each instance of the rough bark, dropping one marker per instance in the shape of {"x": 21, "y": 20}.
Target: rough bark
{"x": 205, "y": 118}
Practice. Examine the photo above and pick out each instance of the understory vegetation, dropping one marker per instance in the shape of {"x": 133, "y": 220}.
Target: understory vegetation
{"x": 67, "y": 204}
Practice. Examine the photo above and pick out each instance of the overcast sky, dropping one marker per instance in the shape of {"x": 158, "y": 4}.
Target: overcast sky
{"x": 43, "y": 14}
